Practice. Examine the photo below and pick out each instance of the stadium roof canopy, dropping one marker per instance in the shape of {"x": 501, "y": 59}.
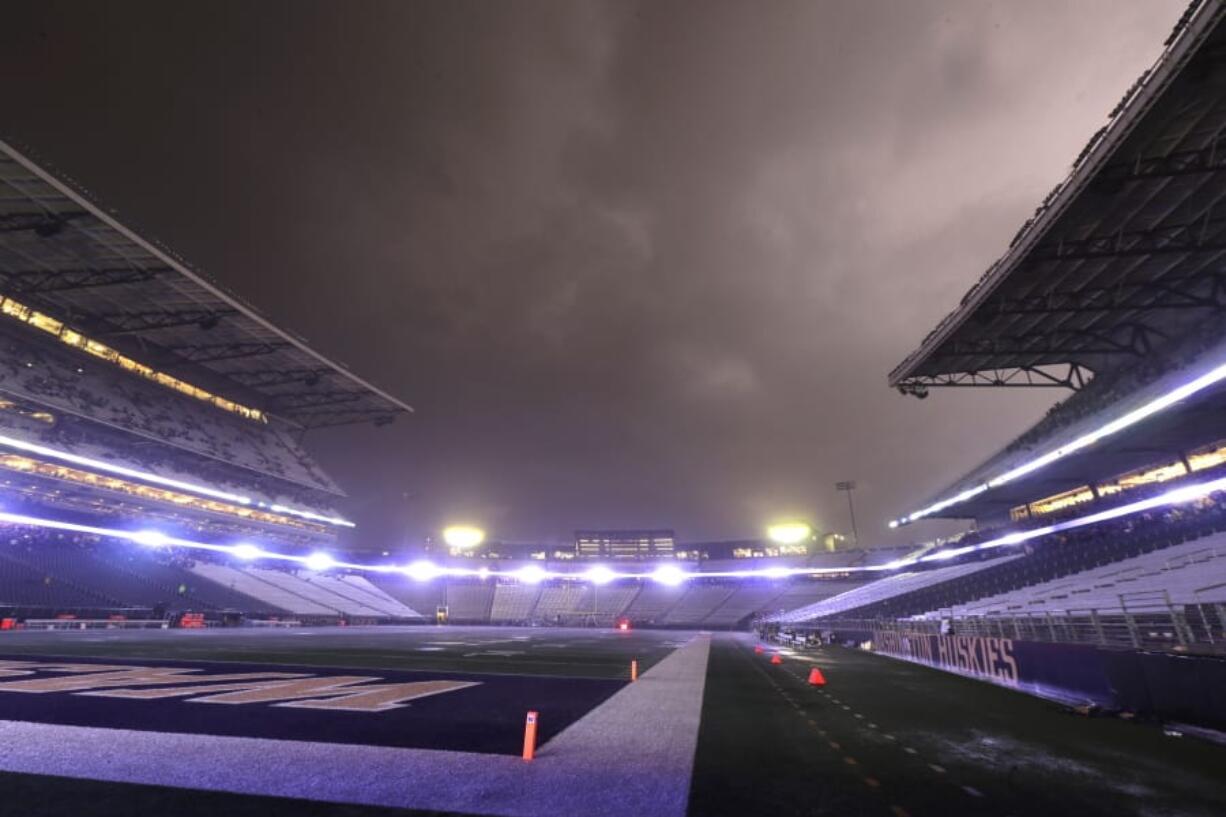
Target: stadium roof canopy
{"x": 1123, "y": 255}
{"x": 62, "y": 253}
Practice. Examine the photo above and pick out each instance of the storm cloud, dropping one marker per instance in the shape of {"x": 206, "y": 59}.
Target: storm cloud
{"x": 634, "y": 264}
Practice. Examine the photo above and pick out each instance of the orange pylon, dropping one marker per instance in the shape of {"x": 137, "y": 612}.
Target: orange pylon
{"x": 816, "y": 678}
{"x": 634, "y": 670}
{"x": 530, "y": 736}
{"x": 758, "y": 650}
{"x": 776, "y": 659}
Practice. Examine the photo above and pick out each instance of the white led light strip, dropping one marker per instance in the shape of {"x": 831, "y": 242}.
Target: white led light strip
{"x": 145, "y": 476}
{"x": 600, "y": 574}
{"x": 1133, "y": 417}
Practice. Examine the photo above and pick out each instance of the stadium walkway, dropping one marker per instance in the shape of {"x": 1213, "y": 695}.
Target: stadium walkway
{"x": 634, "y": 754}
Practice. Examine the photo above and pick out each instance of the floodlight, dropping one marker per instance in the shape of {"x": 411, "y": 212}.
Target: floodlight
{"x": 463, "y": 536}
{"x": 670, "y": 575}
{"x": 599, "y": 575}
{"x": 530, "y": 574}
{"x": 789, "y": 533}
{"x": 149, "y": 538}
{"x": 318, "y": 561}
{"x": 422, "y": 571}
{"x": 246, "y": 551}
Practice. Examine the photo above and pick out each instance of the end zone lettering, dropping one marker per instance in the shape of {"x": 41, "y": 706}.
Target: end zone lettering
{"x": 348, "y": 693}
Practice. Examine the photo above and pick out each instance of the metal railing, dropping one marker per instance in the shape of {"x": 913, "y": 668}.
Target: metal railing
{"x": 1138, "y": 623}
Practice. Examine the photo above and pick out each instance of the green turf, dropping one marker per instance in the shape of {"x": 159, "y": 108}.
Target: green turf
{"x": 564, "y": 652}
{"x": 758, "y": 753}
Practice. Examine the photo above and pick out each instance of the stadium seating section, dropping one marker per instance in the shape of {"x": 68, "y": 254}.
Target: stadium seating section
{"x": 71, "y": 383}
{"x": 1171, "y": 558}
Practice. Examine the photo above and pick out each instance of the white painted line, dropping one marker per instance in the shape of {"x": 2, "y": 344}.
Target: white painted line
{"x": 936, "y": 768}
{"x": 634, "y": 754}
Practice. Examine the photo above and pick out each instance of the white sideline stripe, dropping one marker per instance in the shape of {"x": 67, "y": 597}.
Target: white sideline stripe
{"x": 634, "y": 754}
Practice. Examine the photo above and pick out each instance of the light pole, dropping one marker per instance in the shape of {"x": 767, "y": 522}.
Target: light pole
{"x": 848, "y": 486}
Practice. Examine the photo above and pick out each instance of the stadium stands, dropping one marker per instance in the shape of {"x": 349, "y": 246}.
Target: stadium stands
{"x": 357, "y": 589}
{"x": 468, "y": 602}
{"x": 889, "y": 587}
{"x": 268, "y": 595}
{"x": 560, "y": 601}
{"x": 74, "y": 384}
{"x": 653, "y": 602}
{"x": 611, "y": 601}
{"x": 698, "y": 602}
{"x": 25, "y": 586}
{"x": 425, "y": 597}
{"x": 513, "y": 602}
{"x": 1191, "y": 573}
{"x": 746, "y": 600}
{"x": 315, "y": 592}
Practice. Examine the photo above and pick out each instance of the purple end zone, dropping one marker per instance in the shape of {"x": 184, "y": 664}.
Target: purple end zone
{"x": 487, "y": 716}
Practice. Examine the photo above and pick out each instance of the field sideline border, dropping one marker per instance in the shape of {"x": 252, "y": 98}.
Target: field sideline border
{"x": 634, "y": 754}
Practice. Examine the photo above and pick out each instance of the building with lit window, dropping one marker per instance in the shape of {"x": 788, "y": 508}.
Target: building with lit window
{"x": 625, "y": 544}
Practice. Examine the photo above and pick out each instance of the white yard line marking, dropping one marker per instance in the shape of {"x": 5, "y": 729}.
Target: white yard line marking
{"x": 635, "y": 753}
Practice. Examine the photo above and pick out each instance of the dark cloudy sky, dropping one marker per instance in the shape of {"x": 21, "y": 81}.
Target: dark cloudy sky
{"x": 634, "y": 264}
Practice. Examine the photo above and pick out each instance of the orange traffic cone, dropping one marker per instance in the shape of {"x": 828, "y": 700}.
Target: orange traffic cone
{"x": 776, "y": 659}
{"x": 816, "y": 678}
{"x": 758, "y": 649}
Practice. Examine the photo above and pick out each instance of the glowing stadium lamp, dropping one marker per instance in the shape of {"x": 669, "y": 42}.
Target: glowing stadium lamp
{"x": 529, "y": 574}
{"x": 422, "y": 571}
{"x": 599, "y": 575}
{"x": 670, "y": 575}
{"x": 318, "y": 561}
{"x": 246, "y": 551}
{"x": 150, "y": 538}
{"x": 789, "y": 533}
{"x": 463, "y": 536}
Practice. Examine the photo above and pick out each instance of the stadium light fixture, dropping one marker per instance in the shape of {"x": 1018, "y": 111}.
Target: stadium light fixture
{"x": 246, "y": 551}
{"x": 599, "y": 575}
{"x": 789, "y": 533}
{"x": 149, "y": 538}
{"x": 463, "y": 537}
{"x": 670, "y": 575}
{"x": 112, "y": 468}
{"x": 314, "y": 517}
{"x": 319, "y": 562}
{"x": 422, "y": 570}
{"x": 166, "y": 482}
{"x": 530, "y": 574}
{"x": 1207, "y": 380}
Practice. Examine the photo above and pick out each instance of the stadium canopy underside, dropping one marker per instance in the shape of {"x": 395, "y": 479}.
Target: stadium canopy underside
{"x": 1125, "y": 255}
{"x": 1166, "y": 437}
{"x": 62, "y": 254}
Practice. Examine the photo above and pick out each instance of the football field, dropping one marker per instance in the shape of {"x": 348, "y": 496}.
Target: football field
{"x": 430, "y": 720}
